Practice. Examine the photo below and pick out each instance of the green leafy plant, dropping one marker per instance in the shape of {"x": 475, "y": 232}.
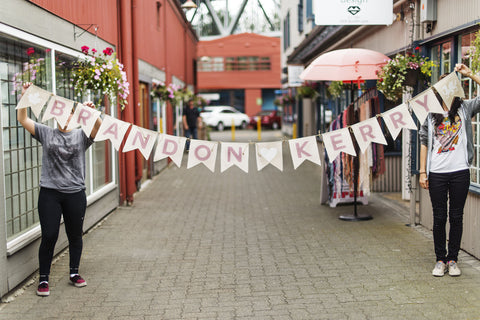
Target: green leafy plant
{"x": 335, "y": 89}
{"x": 307, "y": 90}
{"x": 102, "y": 73}
{"x": 474, "y": 54}
{"x": 392, "y": 76}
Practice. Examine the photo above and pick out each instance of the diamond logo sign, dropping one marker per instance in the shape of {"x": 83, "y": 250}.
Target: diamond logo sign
{"x": 353, "y": 10}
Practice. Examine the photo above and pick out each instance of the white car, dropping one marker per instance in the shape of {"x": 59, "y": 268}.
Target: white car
{"x": 223, "y": 116}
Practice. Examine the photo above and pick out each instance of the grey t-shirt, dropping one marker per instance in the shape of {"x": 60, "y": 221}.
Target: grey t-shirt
{"x": 63, "y": 159}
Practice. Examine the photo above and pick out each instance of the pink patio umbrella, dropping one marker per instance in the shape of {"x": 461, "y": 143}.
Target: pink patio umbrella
{"x": 349, "y": 65}
{"x": 352, "y": 64}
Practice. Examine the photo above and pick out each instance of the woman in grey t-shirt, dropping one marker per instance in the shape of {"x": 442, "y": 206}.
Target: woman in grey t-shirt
{"x": 62, "y": 191}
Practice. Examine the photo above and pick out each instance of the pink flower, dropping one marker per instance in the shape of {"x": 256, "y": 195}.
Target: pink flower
{"x": 30, "y": 51}
{"x": 94, "y": 50}
{"x": 108, "y": 51}
{"x": 85, "y": 49}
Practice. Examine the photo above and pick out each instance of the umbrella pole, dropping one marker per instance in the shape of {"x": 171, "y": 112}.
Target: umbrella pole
{"x": 356, "y": 171}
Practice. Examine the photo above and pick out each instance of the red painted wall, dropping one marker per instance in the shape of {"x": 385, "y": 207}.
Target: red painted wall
{"x": 245, "y": 44}
{"x": 84, "y": 12}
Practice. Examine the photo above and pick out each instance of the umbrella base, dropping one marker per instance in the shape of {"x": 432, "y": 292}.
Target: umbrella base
{"x": 356, "y": 218}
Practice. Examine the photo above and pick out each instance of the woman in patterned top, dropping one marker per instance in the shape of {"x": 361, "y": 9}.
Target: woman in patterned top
{"x": 446, "y": 154}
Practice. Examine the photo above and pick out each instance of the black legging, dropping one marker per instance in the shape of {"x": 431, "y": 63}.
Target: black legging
{"x": 448, "y": 193}
{"x": 51, "y": 205}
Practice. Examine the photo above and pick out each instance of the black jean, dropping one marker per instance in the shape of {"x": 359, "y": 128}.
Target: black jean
{"x": 51, "y": 205}
{"x": 454, "y": 187}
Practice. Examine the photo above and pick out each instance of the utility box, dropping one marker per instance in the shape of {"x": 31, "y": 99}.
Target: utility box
{"x": 428, "y": 10}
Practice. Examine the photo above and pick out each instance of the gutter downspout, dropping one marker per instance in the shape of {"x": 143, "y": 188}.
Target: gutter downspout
{"x": 136, "y": 92}
{"x": 128, "y": 113}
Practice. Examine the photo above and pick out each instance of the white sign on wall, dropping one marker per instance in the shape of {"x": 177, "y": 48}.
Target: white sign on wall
{"x": 353, "y": 12}
{"x": 294, "y": 76}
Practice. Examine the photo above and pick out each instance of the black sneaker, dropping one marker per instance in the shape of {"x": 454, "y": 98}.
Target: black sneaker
{"x": 43, "y": 289}
{"x": 78, "y": 281}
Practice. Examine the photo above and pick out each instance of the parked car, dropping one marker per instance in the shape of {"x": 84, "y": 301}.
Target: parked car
{"x": 221, "y": 117}
{"x": 268, "y": 118}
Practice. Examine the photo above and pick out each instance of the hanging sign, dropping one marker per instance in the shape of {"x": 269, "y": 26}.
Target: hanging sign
{"x": 353, "y": 12}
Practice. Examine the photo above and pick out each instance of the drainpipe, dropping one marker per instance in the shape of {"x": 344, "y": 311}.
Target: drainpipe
{"x": 136, "y": 90}
{"x": 127, "y": 114}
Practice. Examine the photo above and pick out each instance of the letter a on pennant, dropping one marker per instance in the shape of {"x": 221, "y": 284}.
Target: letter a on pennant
{"x": 304, "y": 149}
{"x": 112, "y": 129}
{"x": 141, "y": 139}
{"x": 170, "y": 146}
{"x": 202, "y": 152}
{"x": 233, "y": 153}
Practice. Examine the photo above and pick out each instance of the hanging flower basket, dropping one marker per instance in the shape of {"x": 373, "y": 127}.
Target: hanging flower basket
{"x": 392, "y": 77}
{"x": 103, "y": 74}
{"x": 411, "y": 77}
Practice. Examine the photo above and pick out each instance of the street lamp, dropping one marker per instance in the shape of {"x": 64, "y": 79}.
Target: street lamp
{"x": 189, "y": 4}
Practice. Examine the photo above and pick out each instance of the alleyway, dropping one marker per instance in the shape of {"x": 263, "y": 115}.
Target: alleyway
{"x": 197, "y": 245}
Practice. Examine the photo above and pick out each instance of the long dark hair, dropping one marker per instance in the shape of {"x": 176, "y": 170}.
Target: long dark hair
{"x": 452, "y": 113}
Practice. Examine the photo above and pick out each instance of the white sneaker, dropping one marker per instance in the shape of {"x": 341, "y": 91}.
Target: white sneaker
{"x": 453, "y": 269}
{"x": 439, "y": 269}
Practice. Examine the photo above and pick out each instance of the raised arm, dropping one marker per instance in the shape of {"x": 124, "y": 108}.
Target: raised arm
{"x": 98, "y": 123}
{"x": 22, "y": 115}
{"x": 466, "y": 72}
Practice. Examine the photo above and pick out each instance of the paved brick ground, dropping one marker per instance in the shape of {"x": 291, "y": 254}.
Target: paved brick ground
{"x": 197, "y": 245}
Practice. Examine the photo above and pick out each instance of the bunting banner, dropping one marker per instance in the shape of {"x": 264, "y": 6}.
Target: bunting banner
{"x": 141, "y": 139}
{"x": 84, "y": 117}
{"x": 112, "y": 129}
{"x": 269, "y": 153}
{"x": 35, "y": 98}
{"x": 425, "y": 103}
{"x": 58, "y": 108}
{"x": 170, "y": 147}
{"x": 368, "y": 131}
{"x": 234, "y": 153}
{"x": 398, "y": 118}
{"x": 304, "y": 149}
{"x": 237, "y": 154}
{"x": 338, "y": 141}
{"x": 202, "y": 152}
{"x": 448, "y": 88}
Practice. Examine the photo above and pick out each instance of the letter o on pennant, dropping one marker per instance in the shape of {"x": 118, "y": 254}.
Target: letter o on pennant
{"x": 199, "y": 156}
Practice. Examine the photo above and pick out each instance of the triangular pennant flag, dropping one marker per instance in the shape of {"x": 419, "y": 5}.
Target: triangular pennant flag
{"x": 398, "y": 118}
{"x": 269, "y": 153}
{"x": 170, "y": 146}
{"x": 234, "y": 153}
{"x": 202, "y": 152}
{"x": 424, "y": 103}
{"x": 112, "y": 129}
{"x": 35, "y": 98}
{"x": 58, "y": 108}
{"x": 368, "y": 131}
{"x": 141, "y": 139}
{"x": 338, "y": 141}
{"x": 84, "y": 117}
{"x": 450, "y": 87}
{"x": 304, "y": 149}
